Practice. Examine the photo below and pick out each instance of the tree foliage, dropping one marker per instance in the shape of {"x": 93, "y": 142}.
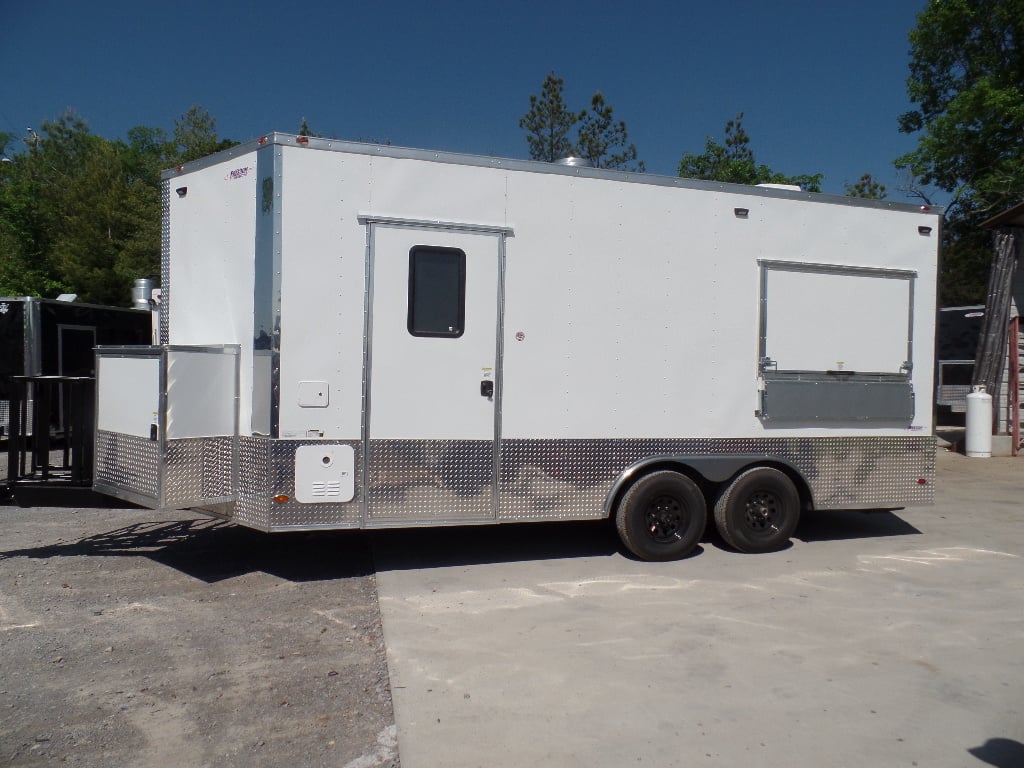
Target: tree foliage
{"x": 605, "y": 141}
{"x": 195, "y": 135}
{"x": 554, "y": 131}
{"x": 866, "y": 187}
{"x": 80, "y": 213}
{"x": 734, "y": 162}
{"x": 549, "y": 123}
{"x": 305, "y": 130}
{"x": 967, "y": 86}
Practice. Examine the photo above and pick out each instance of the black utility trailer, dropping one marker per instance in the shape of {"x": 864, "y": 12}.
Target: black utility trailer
{"x": 47, "y": 367}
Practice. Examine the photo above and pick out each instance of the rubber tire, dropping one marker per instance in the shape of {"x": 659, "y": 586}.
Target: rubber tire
{"x": 678, "y": 496}
{"x": 755, "y": 533}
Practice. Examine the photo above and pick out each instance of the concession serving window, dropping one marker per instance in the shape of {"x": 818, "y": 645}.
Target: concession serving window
{"x": 836, "y": 343}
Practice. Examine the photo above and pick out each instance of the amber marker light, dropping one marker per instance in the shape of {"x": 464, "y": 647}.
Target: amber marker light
{"x": 281, "y": 498}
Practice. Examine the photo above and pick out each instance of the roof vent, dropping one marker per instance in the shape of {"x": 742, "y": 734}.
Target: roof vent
{"x": 787, "y": 187}
{"x": 575, "y": 162}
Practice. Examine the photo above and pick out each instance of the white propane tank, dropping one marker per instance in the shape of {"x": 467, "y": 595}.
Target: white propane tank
{"x": 979, "y": 423}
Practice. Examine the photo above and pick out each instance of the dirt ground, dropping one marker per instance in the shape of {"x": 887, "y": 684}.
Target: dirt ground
{"x": 132, "y": 637}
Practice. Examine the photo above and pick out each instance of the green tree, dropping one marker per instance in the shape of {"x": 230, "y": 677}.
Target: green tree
{"x": 967, "y": 85}
{"x": 734, "y": 162}
{"x": 46, "y": 173}
{"x": 81, "y": 214}
{"x": 866, "y": 187}
{"x": 24, "y": 264}
{"x": 304, "y": 129}
{"x": 605, "y": 141}
{"x": 549, "y": 123}
{"x": 554, "y": 131}
{"x": 147, "y": 153}
{"x": 195, "y": 135}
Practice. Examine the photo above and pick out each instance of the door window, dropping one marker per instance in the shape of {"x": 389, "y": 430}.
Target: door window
{"x": 437, "y": 291}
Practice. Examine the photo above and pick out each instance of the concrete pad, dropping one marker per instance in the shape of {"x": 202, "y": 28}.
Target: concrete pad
{"x": 884, "y": 639}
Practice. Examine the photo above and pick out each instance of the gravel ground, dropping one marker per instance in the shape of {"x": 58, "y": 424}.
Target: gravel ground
{"x": 132, "y": 637}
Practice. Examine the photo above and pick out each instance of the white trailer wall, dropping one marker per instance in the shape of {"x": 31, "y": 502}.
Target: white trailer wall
{"x": 612, "y": 288}
{"x": 631, "y": 309}
{"x": 211, "y": 242}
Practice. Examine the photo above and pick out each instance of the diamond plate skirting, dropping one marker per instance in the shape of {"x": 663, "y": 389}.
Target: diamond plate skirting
{"x": 436, "y": 481}
{"x": 422, "y": 482}
{"x": 195, "y": 471}
{"x": 198, "y": 471}
{"x": 5, "y": 418}
{"x": 549, "y": 480}
{"x": 127, "y": 467}
{"x": 266, "y": 468}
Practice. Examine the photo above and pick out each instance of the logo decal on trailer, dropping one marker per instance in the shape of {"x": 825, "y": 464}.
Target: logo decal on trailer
{"x": 238, "y": 173}
{"x": 4, "y": 308}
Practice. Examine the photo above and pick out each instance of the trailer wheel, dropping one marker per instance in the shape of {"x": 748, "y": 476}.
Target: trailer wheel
{"x": 662, "y": 516}
{"x": 758, "y": 511}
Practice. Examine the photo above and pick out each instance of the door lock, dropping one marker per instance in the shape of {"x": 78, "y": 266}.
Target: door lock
{"x": 486, "y": 388}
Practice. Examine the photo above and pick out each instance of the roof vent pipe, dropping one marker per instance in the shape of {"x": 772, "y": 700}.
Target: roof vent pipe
{"x": 142, "y": 292}
{"x": 575, "y": 162}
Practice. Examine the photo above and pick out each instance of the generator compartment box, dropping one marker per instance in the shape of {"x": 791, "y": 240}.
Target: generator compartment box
{"x": 167, "y": 424}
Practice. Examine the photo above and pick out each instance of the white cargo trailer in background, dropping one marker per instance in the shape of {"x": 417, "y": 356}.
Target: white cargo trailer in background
{"x": 360, "y": 336}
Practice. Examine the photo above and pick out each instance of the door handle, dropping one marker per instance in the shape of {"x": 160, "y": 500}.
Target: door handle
{"x": 486, "y": 388}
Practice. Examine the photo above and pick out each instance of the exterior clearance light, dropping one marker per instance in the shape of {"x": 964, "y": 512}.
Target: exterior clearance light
{"x": 741, "y": 213}
{"x": 924, "y": 230}
{"x": 922, "y": 481}
{"x": 282, "y": 498}
{"x": 182, "y": 191}
{"x": 925, "y": 208}
{"x": 261, "y": 140}
{"x": 302, "y": 139}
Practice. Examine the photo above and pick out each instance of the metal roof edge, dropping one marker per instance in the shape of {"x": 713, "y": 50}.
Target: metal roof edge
{"x": 536, "y": 166}
{"x": 1012, "y": 217}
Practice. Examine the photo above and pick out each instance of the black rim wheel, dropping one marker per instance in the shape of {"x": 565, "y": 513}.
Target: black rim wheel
{"x": 664, "y": 519}
{"x": 758, "y": 511}
{"x": 763, "y": 513}
{"x": 661, "y": 516}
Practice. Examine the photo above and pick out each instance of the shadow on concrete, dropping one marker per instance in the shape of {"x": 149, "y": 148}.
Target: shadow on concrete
{"x": 408, "y": 548}
{"x": 1002, "y": 753}
{"x": 950, "y": 437}
{"x": 27, "y": 495}
{"x": 842, "y": 525}
{"x": 214, "y": 550}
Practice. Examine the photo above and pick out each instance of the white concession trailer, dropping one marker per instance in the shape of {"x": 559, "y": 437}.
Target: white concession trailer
{"x": 360, "y": 336}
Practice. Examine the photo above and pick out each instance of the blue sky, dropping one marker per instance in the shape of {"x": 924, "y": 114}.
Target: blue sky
{"x": 821, "y": 83}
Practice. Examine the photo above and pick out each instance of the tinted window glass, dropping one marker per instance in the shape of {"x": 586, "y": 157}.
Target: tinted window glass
{"x": 437, "y": 291}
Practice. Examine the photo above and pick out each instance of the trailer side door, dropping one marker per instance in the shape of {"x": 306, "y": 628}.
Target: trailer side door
{"x": 432, "y": 374}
